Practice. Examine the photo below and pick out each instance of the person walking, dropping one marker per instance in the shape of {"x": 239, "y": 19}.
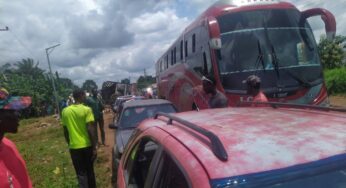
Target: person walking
{"x": 13, "y": 172}
{"x": 78, "y": 122}
{"x": 96, "y": 104}
{"x": 217, "y": 99}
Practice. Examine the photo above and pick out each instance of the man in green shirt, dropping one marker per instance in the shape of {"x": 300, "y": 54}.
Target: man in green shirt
{"x": 95, "y": 103}
{"x": 77, "y": 120}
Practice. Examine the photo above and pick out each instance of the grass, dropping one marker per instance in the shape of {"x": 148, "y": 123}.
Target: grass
{"x": 42, "y": 145}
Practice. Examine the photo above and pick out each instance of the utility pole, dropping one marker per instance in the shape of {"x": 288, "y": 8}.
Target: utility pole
{"x": 52, "y": 78}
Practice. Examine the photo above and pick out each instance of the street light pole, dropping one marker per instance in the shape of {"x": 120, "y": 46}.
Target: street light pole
{"x": 52, "y": 78}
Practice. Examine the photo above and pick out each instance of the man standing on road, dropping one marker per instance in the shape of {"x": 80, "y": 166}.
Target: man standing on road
{"x": 217, "y": 99}
{"x": 78, "y": 122}
{"x": 95, "y": 103}
{"x": 13, "y": 171}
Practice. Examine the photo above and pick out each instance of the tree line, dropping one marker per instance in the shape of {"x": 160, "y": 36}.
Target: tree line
{"x": 25, "y": 78}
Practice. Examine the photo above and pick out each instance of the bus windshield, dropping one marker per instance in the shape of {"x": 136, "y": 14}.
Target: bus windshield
{"x": 274, "y": 44}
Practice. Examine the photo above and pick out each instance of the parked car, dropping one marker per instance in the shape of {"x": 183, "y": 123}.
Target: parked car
{"x": 120, "y": 100}
{"x": 244, "y": 147}
{"x": 132, "y": 114}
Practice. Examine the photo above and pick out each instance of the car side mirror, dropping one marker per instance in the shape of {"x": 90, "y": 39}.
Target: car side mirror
{"x": 113, "y": 126}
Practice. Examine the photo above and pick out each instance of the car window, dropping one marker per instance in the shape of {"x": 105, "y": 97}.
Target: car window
{"x": 131, "y": 117}
{"x": 138, "y": 163}
{"x": 171, "y": 176}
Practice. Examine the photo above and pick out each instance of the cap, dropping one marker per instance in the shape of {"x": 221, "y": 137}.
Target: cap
{"x": 252, "y": 80}
{"x": 8, "y": 102}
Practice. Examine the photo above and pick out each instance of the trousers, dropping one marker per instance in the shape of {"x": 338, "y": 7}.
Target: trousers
{"x": 84, "y": 167}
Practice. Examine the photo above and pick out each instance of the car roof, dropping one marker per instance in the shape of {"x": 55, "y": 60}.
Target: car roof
{"x": 145, "y": 102}
{"x": 259, "y": 139}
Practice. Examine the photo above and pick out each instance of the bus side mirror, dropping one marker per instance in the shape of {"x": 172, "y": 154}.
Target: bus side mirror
{"x": 327, "y": 17}
{"x": 214, "y": 33}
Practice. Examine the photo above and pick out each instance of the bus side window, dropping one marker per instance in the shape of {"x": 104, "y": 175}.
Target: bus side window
{"x": 205, "y": 64}
{"x": 181, "y": 50}
{"x": 175, "y": 55}
{"x": 186, "y": 49}
{"x": 166, "y": 62}
{"x": 161, "y": 66}
{"x": 172, "y": 62}
{"x": 194, "y": 43}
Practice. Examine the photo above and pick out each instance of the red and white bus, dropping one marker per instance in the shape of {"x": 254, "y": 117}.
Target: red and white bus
{"x": 233, "y": 39}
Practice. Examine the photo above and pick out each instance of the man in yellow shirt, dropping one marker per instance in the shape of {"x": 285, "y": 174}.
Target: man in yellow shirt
{"x": 77, "y": 120}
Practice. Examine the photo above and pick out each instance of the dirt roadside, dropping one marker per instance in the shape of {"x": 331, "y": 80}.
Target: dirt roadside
{"x": 109, "y": 134}
{"x": 338, "y": 101}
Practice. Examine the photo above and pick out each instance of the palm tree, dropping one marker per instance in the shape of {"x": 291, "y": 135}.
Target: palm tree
{"x": 27, "y": 67}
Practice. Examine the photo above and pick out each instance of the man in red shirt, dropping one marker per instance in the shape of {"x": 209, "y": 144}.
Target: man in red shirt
{"x": 13, "y": 171}
{"x": 253, "y": 83}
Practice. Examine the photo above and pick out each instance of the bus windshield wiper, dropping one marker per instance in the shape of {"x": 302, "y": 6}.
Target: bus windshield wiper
{"x": 275, "y": 60}
{"x": 259, "y": 57}
{"x": 301, "y": 81}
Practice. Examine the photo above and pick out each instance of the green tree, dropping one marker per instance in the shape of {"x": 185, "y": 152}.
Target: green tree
{"x": 145, "y": 81}
{"x": 27, "y": 67}
{"x": 89, "y": 85}
{"x": 27, "y": 79}
{"x": 332, "y": 52}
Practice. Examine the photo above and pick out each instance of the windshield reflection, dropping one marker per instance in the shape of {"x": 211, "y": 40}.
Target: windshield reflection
{"x": 252, "y": 42}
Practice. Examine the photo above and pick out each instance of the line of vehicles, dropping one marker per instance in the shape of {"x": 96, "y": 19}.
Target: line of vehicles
{"x": 293, "y": 141}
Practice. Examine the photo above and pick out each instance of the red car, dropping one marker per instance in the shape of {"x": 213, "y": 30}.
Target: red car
{"x": 244, "y": 147}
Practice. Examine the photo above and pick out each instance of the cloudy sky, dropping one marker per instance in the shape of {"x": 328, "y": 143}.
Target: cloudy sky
{"x": 108, "y": 39}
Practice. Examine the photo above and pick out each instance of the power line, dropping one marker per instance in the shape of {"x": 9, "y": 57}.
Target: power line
{"x": 22, "y": 44}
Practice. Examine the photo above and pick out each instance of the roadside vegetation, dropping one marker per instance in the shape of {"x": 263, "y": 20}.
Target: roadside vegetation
{"x": 333, "y": 57}
{"x": 41, "y": 143}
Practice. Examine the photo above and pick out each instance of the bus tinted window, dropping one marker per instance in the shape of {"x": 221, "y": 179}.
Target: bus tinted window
{"x": 175, "y": 55}
{"x": 186, "y": 49}
{"x": 181, "y": 50}
{"x": 287, "y": 46}
{"x": 193, "y": 43}
{"x": 166, "y": 62}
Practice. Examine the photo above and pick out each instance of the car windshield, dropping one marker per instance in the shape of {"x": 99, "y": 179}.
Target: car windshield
{"x": 131, "y": 117}
{"x": 254, "y": 42}
{"x": 325, "y": 173}
{"x": 333, "y": 179}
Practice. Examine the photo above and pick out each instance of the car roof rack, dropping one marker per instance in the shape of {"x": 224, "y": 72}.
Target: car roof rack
{"x": 216, "y": 145}
{"x": 277, "y": 104}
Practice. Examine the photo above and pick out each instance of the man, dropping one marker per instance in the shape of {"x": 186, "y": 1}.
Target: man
{"x": 97, "y": 107}
{"x": 13, "y": 171}
{"x": 78, "y": 122}
{"x": 217, "y": 99}
{"x": 253, "y": 84}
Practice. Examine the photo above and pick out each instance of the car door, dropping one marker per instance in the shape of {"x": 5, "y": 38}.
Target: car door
{"x": 169, "y": 173}
{"x": 141, "y": 161}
